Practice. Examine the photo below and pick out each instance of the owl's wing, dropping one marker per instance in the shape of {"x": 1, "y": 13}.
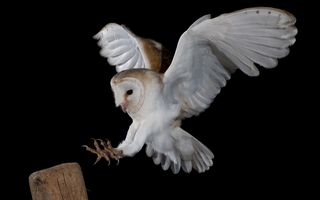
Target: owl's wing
{"x": 211, "y": 49}
{"x": 125, "y": 50}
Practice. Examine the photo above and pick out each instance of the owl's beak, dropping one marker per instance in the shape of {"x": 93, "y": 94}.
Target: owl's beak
{"x": 123, "y": 106}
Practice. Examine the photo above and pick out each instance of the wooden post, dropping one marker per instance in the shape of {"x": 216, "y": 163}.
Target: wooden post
{"x": 61, "y": 182}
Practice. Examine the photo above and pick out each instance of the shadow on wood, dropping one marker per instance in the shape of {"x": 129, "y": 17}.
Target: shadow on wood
{"x": 61, "y": 182}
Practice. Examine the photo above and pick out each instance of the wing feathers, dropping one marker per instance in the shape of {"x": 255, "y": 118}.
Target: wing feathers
{"x": 186, "y": 166}
{"x": 139, "y": 63}
{"x": 125, "y": 50}
{"x": 122, "y": 58}
{"x": 266, "y": 50}
{"x": 175, "y": 167}
{"x": 105, "y": 52}
{"x": 122, "y": 48}
{"x": 265, "y": 41}
{"x": 259, "y": 15}
{"x": 242, "y": 62}
{"x": 262, "y": 31}
{"x": 201, "y": 19}
{"x": 157, "y": 158}
{"x": 166, "y": 164}
{"x": 149, "y": 150}
{"x": 211, "y": 49}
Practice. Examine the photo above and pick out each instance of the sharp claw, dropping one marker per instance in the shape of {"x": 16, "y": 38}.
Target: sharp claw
{"x": 85, "y": 146}
{"x": 97, "y": 160}
{"x": 95, "y": 142}
{"x": 90, "y": 149}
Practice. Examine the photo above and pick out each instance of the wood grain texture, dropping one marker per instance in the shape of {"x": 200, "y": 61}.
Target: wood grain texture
{"x": 61, "y": 182}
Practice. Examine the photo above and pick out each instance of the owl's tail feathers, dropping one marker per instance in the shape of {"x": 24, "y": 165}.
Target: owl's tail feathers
{"x": 202, "y": 158}
{"x": 192, "y": 152}
{"x": 188, "y": 153}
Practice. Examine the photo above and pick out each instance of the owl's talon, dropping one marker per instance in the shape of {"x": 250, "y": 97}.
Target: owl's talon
{"x": 97, "y": 160}
{"x": 104, "y": 149}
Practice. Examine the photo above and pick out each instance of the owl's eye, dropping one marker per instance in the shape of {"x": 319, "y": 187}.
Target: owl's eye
{"x": 129, "y": 92}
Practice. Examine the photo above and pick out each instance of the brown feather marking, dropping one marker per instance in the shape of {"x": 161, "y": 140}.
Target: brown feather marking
{"x": 153, "y": 53}
{"x": 158, "y": 56}
{"x": 166, "y": 60}
{"x": 143, "y": 75}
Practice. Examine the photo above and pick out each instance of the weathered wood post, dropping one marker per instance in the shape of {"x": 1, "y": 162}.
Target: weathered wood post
{"x": 61, "y": 182}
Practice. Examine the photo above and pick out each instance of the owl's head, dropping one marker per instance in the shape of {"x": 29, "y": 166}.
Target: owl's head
{"x": 133, "y": 87}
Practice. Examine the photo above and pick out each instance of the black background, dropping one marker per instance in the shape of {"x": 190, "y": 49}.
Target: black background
{"x": 59, "y": 97}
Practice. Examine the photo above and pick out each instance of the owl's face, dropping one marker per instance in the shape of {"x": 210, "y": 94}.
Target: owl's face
{"x": 128, "y": 94}
{"x": 136, "y": 90}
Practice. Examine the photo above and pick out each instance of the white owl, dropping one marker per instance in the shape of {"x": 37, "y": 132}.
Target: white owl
{"x": 206, "y": 55}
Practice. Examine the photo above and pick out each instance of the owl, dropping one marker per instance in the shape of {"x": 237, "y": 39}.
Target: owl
{"x": 158, "y": 95}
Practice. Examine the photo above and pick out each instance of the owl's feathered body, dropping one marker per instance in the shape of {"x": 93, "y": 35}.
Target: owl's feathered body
{"x": 206, "y": 55}
{"x": 156, "y": 123}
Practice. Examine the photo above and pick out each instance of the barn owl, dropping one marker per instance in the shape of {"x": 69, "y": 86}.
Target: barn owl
{"x": 208, "y": 52}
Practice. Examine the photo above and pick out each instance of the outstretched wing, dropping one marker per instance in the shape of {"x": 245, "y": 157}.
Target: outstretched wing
{"x": 125, "y": 50}
{"x": 211, "y": 49}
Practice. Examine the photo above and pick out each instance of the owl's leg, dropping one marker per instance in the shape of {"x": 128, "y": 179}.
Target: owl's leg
{"x": 136, "y": 145}
{"x": 104, "y": 150}
{"x": 130, "y": 135}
